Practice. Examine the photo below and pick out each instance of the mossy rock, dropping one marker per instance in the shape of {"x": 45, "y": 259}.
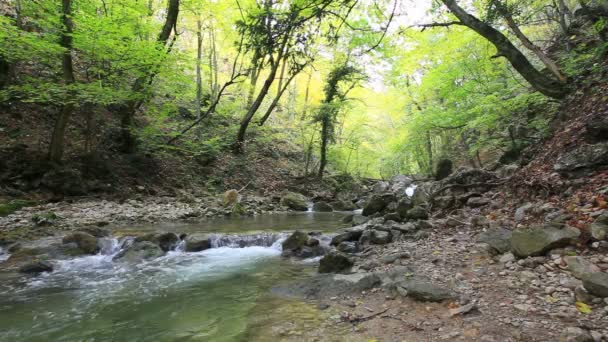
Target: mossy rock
{"x": 14, "y": 205}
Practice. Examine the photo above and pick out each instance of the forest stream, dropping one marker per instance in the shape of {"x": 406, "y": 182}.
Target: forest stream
{"x": 220, "y": 294}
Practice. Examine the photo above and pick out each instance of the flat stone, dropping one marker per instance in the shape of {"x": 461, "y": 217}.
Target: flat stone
{"x": 596, "y": 284}
{"x": 423, "y": 290}
{"x": 36, "y": 267}
{"x": 599, "y": 227}
{"x": 539, "y": 240}
{"x": 498, "y": 239}
{"x": 580, "y": 267}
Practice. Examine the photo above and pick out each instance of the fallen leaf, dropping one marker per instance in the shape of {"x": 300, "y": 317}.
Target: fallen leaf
{"x": 583, "y": 308}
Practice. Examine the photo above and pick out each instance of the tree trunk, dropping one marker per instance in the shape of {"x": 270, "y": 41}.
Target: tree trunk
{"x": 127, "y": 111}
{"x": 277, "y": 98}
{"x": 214, "y": 75}
{"x": 324, "y": 142}
{"x": 239, "y": 145}
{"x": 548, "y": 62}
{"x": 256, "y": 68}
{"x": 199, "y": 55}
{"x": 505, "y": 48}
{"x": 57, "y": 139}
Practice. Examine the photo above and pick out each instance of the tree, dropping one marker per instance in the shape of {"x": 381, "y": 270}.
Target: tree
{"x": 57, "y": 139}
{"x": 333, "y": 101}
{"x": 139, "y": 88}
{"x": 539, "y": 81}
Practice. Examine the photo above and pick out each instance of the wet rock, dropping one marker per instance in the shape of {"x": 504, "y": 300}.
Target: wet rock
{"x": 348, "y": 247}
{"x": 380, "y": 187}
{"x": 359, "y": 220}
{"x": 498, "y": 239}
{"x": 599, "y": 227}
{"x": 334, "y": 262}
{"x": 417, "y": 213}
{"x": 399, "y": 183}
{"x": 403, "y": 206}
{"x": 350, "y": 234}
{"x": 294, "y": 201}
{"x": 140, "y": 251}
{"x": 375, "y": 205}
{"x": 380, "y": 237}
{"x": 576, "y": 334}
{"x": 343, "y": 205}
{"x": 194, "y": 244}
{"x": 582, "y": 158}
{"x": 424, "y": 290}
{"x": 295, "y": 241}
{"x": 167, "y": 241}
{"x": 87, "y": 243}
{"x": 322, "y": 207}
{"x": 596, "y": 284}
{"x": 540, "y": 239}
{"x": 579, "y": 266}
{"x": 392, "y": 217}
{"x": 97, "y": 232}
{"x": 36, "y": 267}
{"x": 506, "y": 258}
{"x": 348, "y": 218}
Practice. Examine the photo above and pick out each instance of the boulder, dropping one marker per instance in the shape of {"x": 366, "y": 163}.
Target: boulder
{"x": 580, "y": 267}
{"x": 540, "y": 239}
{"x": 97, "y": 232}
{"x": 596, "y": 284}
{"x": 498, "y": 239}
{"x": 340, "y": 205}
{"x": 348, "y": 218}
{"x": 334, "y": 262}
{"x": 399, "y": 183}
{"x": 323, "y": 286}
{"x": 140, "y": 251}
{"x": 36, "y": 267}
{"x": 322, "y": 207}
{"x": 295, "y": 241}
{"x": 350, "y": 234}
{"x": 294, "y": 201}
{"x": 403, "y": 206}
{"x": 380, "y": 237}
{"x": 597, "y": 129}
{"x": 359, "y": 220}
{"x": 65, "y": 181}
{"x": 520, "y": 212}
{"x": 417, "y": 213}
{"x": 582, "y": 158}
{"x": 380, "y": 187}
{"x": 422, "y": 289}
{"x": 375, "y": 205}
{"x": 86, "y": 242}
{"x": 392, "y": 217}
{"x": 348, "y": 247}
{"x": 599, "y": 227}
{"x": 167, "y": 241}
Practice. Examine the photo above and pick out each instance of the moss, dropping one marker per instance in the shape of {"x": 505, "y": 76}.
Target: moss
{"x": 14, "y": 205}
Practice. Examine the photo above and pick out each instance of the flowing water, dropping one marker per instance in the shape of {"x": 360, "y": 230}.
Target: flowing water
{"x": 220, "y": 294}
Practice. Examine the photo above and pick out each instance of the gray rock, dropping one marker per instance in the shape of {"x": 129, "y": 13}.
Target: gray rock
{"x": 375, "y": 205}
{"x": 599, "y": 227}
{"x": 343, "y": 205}
{"x": 596, "y": 284}
{"x": 359, "y": 220}
{"x": 350, "y": 234}
{"x": 140, "y": 251}
{"x": 417, "y": 213}
{"x": 476, "y": 202}
{"x": 380, "y": 187}
{"x": 579, "y": 266}
{"x": 322, "y": 207}
{"x": 520, "y": 212}
{"x": 392, "y": 217}
{"x": 582, "y": 158}
{"x": 348, "y": 247}
{"x": 194, "y": 244}
{"x": 295, "y": 241}
{"x": 424, "y": 290}
{"x": 87, "y": 243}
{"x": 36, "y": 267}
{"x": 348, "y": 218}
{"x": 498, "y": 239}
{"x": 576, "y": 334}
{"x": 540, "y": 239}
{"x": 334, "y": 262}
{"x": 329, "y": 285}
{"x": 380, "y": 237}
{"x": 294, "y": 201}
{"x": 506, "y": 258}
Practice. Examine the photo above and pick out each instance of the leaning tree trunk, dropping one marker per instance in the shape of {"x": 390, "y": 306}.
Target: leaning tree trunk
{"x": 548, "y": 62}
{"x": 537, "y": 80}
{"x": 127, "y": 110}
{"x": 57, "y": 139}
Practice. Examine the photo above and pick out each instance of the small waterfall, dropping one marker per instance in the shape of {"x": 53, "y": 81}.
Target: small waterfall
{"x": 310, "y": 206}
{"x": 109, "y": 246}
{"x": 181, "y": 246}
{"x": 273, "y": 240}
{"x": 409, "y": 191}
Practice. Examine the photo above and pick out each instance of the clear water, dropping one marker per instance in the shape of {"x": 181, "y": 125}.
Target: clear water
{"x": 221, "y": 294}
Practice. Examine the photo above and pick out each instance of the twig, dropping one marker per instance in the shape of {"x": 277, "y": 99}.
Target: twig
{"x": 367, "y": 318}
